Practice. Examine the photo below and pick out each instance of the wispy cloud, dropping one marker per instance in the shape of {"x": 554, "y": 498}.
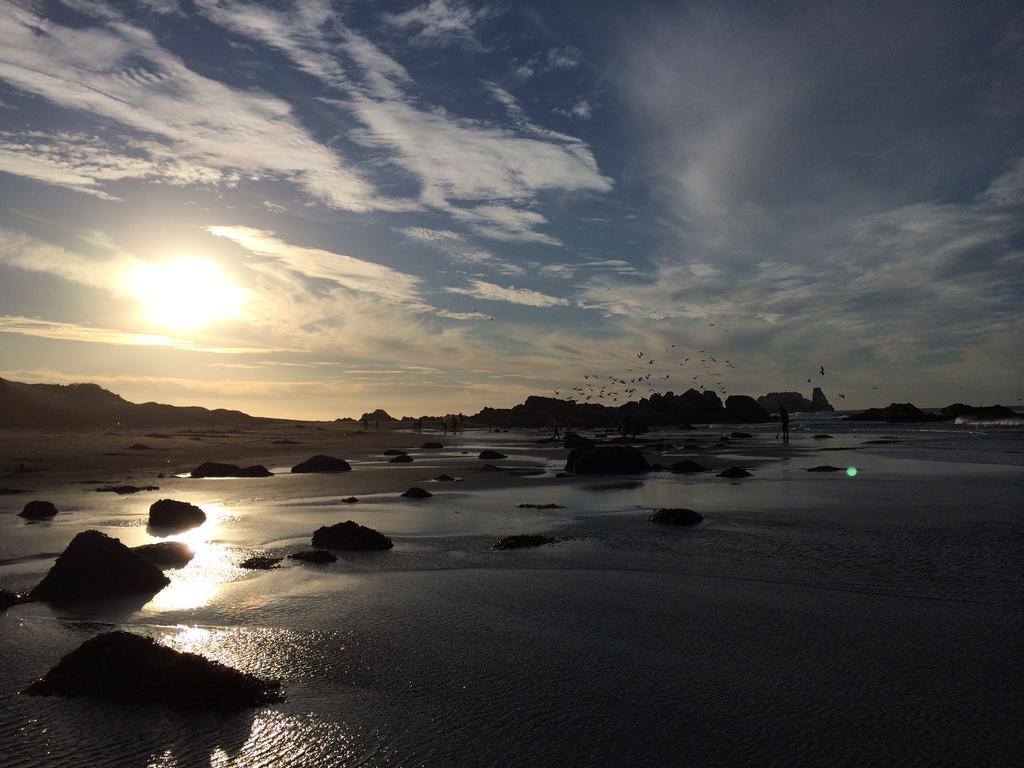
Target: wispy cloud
{"x": 456, "y": 247}
{"x": 443, "y": 22}
{"x": 480, "y": 289}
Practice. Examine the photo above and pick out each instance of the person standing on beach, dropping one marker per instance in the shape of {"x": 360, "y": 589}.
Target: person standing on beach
{"x": 784, "y": 418}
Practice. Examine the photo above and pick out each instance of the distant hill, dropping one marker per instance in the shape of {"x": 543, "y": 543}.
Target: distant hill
{"x": 89, "y": 405}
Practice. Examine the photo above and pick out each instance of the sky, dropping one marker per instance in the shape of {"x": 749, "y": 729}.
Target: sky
{"x": 309, "y": 209}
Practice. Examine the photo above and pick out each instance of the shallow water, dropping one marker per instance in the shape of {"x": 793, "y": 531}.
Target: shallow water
{"x": 811, "y": 619}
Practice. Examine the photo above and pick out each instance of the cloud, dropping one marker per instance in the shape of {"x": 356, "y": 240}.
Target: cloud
{"x": 566, "y": 57}
{"x": 443, "y": 22}
{"x": 580, "y": 109}
{"x": 491, "y": 292}
{"x": 458, "y": 249}
{"x": 119, "y": 72}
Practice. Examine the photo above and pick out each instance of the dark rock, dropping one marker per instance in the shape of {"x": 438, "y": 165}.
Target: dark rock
{"x": 522, "y": 541}
{"x": 687, "y": 467}
{"x": 322, "y": 463}
{"x": 561, "y": 475}
{"x": 350, "y": 536}
{"x": 489, "y": 468}
{"x": 318, "y": 556}
{"x": 417, "y": 493}
{"x": 393, "y": 452}
{"x": 744, "y": 409}
{"x": 489, "y": 454}
{"x": 979, "y": 413}
{"x": 882, "y": 441}
{"x": 819, "y": 402}
{"x": 735, "y": 472}
{"x": 260, "y": 563}
{"x": 821, "y": 437}
{"x": 129, "y": 669}
{"x": 794, "y": 402}
{"x": 38, "y": 510}
{"x": 896, "y": 413}
{"x": 633, "y": 424}
{"x": 217, "y": 469}
{"x": 286, "y": 441}
{"x": 607, "y": 460}
{"x": 9, "y": 599}
{"x": 350, "y": 500}
{"x": 96, "y": 567}
{"x": 378, "y": 415}
{"x": 823, "y": 468}
{"x": 739, "y": 435}
{"x": 121, "y": 490}
{"x": 139, "y": 447}
{"x": 431, "y": 445}
{"x": 573, "y": 440}
{"x": 403, "y": 459}
{"x": 675, "y": 516}
{"x": 166, "y": 554}
{"x": 541, "y": 506}
{"x": 445, "y": 478}
{"x": 179, "y": 515}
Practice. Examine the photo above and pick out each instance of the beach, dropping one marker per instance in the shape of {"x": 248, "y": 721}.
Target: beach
{"x": 867, "y": 616}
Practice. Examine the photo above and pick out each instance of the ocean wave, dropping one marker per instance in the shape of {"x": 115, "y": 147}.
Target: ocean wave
{"x": 1018, "y": 422}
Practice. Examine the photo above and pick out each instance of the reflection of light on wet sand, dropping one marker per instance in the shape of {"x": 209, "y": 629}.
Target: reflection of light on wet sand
{"x": 196, "y": 584}
{"x": 277, "y": 739}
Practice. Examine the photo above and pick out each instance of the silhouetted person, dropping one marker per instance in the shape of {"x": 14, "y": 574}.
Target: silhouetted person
{"x": 784, "y": 418}
{"x": 444, "y": 424}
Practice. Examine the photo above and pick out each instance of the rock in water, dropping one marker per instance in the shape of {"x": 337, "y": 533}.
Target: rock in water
{"x": 38, "y": 510}
{"x": 687, "y": 467}
{"x": 824, "y": 468}
{"x": 489, "y": 454}
{"x": 675, "y": 516}
{"x": 393, "y": 452}
{"x": 417, "y": 493}
{"x": 97, "y": 567}
{"x": 522, "y": 541}
{"x": 431, "y": 445}
{"x": 735, "y": 472}
{"x": 9, "y": 599}
{"x": 177, "y": 515}
{"x": 130, "y": 669}
{"x": 443, "y": 478}
{"x": 122, "y": 490}
{"x": 819, "y": 402}
{"x": 350, "y": 500}
{"x": 350, "y": 536}
{"x": 402, "y": 458}
{"x": 166, "y": 554}
{"x": 740, "y": 435}
{"x": 322, "y": 463}
{"x": 318, "y": 556}
{"x": 606, "y": 460}
{"x": 260, "y": 563}
{"x": 217, "y": 469}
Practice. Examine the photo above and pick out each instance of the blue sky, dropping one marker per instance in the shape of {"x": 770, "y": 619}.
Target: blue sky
{"x": 311, "y": 208}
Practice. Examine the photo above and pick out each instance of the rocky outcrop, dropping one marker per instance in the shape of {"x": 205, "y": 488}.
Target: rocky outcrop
{"x": 317, "y": 556}
{"x": 979, "y": 413}
{"x": 125, "y": 668}
{"x": 687, "y": 467}
{"x": 122, "y": 490}
{"x": 415, "y": 492}
{"x": 745, "y": 410}
{"x": 260, "y": 563}
{"x": 444, "y": 478}
{"x": 734, "y": 472}
{"x": 896, "y": 413}
{"x": 606, "y": 460}
{"x": 823, "y": 468}
{"x": 9, "y": 599}
{"x": 489, "y": 454}
{"x": 819, "y": 402}
{"x": 175, "y": 515}
{"x": 218, "y": 469}
{"x": 372, "y": 417}
{"x": 97, "y": 567}
{"x": 38, "y": 510}
{"x": 166, "y": 554}
{"x": 675, "y": 516}
{"x": 794, "y": 402}
{"x": 522, "y": 541}
{"x": 431, "y": 445}
{"x": 322, "y": 463}
{"x": 350, "y": 536}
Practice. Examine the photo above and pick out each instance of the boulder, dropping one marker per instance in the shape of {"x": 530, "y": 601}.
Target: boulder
{"x": 489, "y": 454}
{"x": 431, "y": 445}
{"x": 675, "y": 516}
{"x": 218, "y": 469}
{"x": 607, "y": 460}
{"x": 350, "y": 500}
{"x": 350, "y": 536}
{"x": 139, "y": 447}
{"x": 166, "y": 554}
{"x": 9, "y": 599}
{"x": 522, "y": 541}
{"x": 38, "y": 510}
{"x": 417, "y": 493}
{"x": 177, "y": 515}
{"x": 444, "y": 478}
{"x": 896, "y": 413}
{"x": 322, "y": 463}
{"x": 823, "y": 468}
{"x": 821, "y": 437}
{"x": 130, "y": 669}
{"x": 744, "y": 409}
{"x": 96, "y": 567}
{"x": 735, "y": 472}
{"x": 122, "y": 490}
{"x": 979, "y": 413}
{"x": 393, "y": 452}
{"x": 260, "y": 563}
{"x": 687, "y": 467}
{"x": 318, "y": 556}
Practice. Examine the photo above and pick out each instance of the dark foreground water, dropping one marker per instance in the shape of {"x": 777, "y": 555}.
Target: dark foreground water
{"x": 821, "y": 620}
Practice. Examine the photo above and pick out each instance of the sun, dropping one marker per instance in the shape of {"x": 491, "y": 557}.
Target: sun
{"x": 186, "y": 293}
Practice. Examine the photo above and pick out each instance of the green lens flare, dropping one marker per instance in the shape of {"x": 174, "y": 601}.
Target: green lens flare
{"x": 851, "y": 471}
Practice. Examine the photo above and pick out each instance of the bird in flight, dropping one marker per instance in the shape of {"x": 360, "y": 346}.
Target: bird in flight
{"x": 822, "y": 370}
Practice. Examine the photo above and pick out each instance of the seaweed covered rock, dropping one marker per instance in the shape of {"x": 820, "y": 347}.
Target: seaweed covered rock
{"x": 350, "y": 536}
{"x": 38, "y": 510}
{"x": 130, "y": 669}
{"x": 687, "y": 467}
{"x": 218, "y": 469}
{"x": 175, "y": 515}
{"x": 489, "y": 454}
{"x": 260, "y": 563}
{"x": 522, "y": 541}
{"x": 675, "y": 516}
{"x": 97, "y": 567}
{"x": 734, "y": 472}
{"x": 166, "y": 554}
{"x": 317, "y": 556}
{"x": 322, "y": 463}
{"x": 415, "y": 492}
{"x": 607, "y": 460}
